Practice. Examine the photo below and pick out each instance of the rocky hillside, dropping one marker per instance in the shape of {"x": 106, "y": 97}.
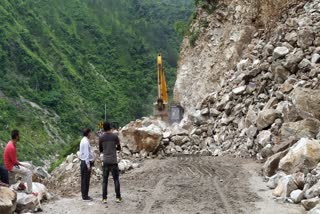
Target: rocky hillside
{"x": 218, "y": 40}
{"x": 250, "y": 86}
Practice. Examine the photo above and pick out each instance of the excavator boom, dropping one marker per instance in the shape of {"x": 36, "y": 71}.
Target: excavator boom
{"x": 162, "y": 85}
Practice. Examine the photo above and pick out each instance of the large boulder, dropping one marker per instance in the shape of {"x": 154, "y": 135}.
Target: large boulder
{"x": 8, "y": 200}
{"x": 314, "y": 191}
{"x": 28, "y": 203}
{"x": 271, "y": 165}
{"x": 307, "y": 128}
{"x": 138, "y": 137}
{"x": 285, "y": 186}
{"x": 308, "y": 204}
{"x": 266, "y": 118}
{"x": 305, "y": 154}
{"x": 315, "y": 210}
{"x": 307, "y": 102}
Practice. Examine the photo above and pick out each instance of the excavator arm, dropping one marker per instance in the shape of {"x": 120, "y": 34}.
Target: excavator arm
{"x": 162, "y": 99}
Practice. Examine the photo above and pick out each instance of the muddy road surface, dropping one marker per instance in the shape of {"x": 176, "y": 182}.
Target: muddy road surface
{"x": 182, "y": 185}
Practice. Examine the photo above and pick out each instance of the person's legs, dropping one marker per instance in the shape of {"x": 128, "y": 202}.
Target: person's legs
{"x": 84, "y": 180}
{"x": 115, "y": 175}
{"x": 26, "y": 175}
{"x": 4, "y": 176}
{"x": 106, "y": 170}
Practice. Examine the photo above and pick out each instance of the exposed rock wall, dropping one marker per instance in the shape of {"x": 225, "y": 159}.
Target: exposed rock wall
{"x": 224, "y": 37}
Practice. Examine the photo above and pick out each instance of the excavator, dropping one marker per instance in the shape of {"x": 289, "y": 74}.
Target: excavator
{"x": 162, "y": 109}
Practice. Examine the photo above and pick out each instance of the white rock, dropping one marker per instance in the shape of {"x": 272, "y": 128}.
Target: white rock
{"x": 69, "y": 166}
{"x": 297, "y": 195}
{"x": 280, "y": 52}
{"x": 239, "y": 90}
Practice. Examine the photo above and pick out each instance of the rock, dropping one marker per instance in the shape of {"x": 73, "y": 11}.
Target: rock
{"x": 197, "y": 118}
{"x": 252, "y": 131}
{"x": 271, "y": 165}
{"x": 308, "y": 204}
{"x": 306, "y": 37}
{"x": 28, "y": 203}
{"x": 137, "y": 137}
{"x": 125, "y": 151}
{"x": 251, "y": 117}
{"x": 291, "y": 37}
{"x": 283, "y": 145}
{"x": 307, "y": 102}
{"x": 280, "y": 52}
{"x": 285, "y": 186}
{"x": 289, "y": 112}
{"x": 178, "y": 148}
{"x": 42, "y": 173}
{"x": 8, "y": 200}
{"x": 69, "y": 166}
{"x": 314, "y": 191}
{"x": 143, "y": 153}
{"x": 315, "y": 58}
{"x": 274, "y": 180}
{"x": 304, "y": 64}
{"x": 304, "y": 154}
{"x": 178, "y": 140}
{"x": 166, "y": 134}
{"x": 239, "y": 90}
{"x": 292, "y": 61}
{"x": 266, "y": 151}
{"x": 266, "y": 118}
{"x": 214, "y": 112}
{"x": 70, "y": 158}
{"x": 299, "y": 179}
{"x": 280, "y": 73}
{"x": 43, "y": 193}
{"x": 124, "y": 165}
{"x": 297, "y": 196}
{"x": 205, "y": 111}
{"x": 305, "y": 128}
{"x": 264, "y": 137}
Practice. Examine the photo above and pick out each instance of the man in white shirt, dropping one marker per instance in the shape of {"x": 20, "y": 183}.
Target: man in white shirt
{"x": 86, "y": 157}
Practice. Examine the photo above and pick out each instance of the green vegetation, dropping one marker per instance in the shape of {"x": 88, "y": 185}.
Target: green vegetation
{"x": 72, "y": 57}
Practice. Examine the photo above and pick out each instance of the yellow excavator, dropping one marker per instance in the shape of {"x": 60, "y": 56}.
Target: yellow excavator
{"x": 161, "y": 104}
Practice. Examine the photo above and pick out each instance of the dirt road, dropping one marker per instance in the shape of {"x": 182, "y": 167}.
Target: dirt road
{"x": 184, "y": 184}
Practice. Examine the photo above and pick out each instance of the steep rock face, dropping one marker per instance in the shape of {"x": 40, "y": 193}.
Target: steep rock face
{"x": 221, "y": 44}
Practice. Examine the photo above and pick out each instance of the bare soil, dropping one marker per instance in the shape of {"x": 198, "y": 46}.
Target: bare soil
{"x": 184, "y": 184}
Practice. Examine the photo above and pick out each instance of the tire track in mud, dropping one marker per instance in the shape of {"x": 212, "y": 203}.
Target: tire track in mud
{"x": 150, "y": 200}
{"x": 197, "y": 184}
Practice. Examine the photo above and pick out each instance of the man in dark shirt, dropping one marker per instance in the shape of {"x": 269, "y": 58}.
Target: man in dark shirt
{"x": 108, "y": 144}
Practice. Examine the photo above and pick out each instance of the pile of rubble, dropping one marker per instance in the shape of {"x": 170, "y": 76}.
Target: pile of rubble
{"x": 268, "y": 107}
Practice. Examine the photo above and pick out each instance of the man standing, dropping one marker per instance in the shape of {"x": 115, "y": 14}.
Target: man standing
{"x": 108, "y": 144}
{"x": 86, "y": 156}
{"x": 13, "y": 165}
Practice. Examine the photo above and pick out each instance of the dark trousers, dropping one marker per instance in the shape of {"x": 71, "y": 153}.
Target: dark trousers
{"x": 115, "y": 175}
{"x": 85, "y": 179}
{"x": 4, "y": 176}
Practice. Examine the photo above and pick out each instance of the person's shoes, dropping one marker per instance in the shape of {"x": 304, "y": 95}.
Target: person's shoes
{"x": 22, "y": 186}
{"x": 118, "y": 200}
{"x": 87, "y": 199}
{"x": 104, "y": 201}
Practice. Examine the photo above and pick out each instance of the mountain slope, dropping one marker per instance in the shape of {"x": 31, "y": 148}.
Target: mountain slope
{"x": 73, "y": 57}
